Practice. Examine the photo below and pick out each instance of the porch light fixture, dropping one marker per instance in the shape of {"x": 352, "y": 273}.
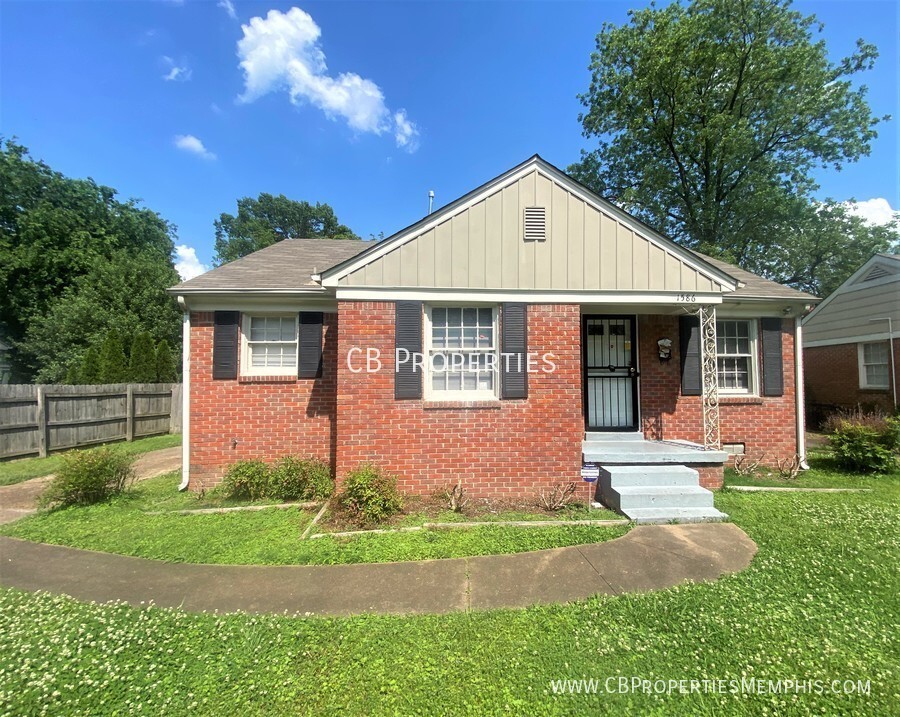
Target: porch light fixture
{"x": 665, "y": 349}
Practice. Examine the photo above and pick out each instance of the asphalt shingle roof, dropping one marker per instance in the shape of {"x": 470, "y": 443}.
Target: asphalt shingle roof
{"x": 754, "y": 286}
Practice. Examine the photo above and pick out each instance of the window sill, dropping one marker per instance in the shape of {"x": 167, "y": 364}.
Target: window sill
{"x": 267, "y": 379}
{"x": 874, "y": 389}
{"x": 444, "y": 405}
{"x": 748, "y": 400}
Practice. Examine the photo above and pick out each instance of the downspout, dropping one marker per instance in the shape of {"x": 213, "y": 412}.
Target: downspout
{"x": 185, "y": 394}
{"x": 800, "y": 393}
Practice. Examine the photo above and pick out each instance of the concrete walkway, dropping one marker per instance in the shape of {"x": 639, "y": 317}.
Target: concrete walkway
{"x": 20, "y": 499}
{"x": 647, "y": 558}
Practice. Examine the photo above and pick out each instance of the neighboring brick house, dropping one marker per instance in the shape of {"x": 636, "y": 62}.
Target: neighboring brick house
{"x": 483, "y": 342}
{"x": 850, "y": 340}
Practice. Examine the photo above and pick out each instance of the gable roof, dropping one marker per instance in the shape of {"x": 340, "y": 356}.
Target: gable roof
{"x": 284, "y": 267}
{"x": 861, "y": 280}
{"x": 710, "y": 273}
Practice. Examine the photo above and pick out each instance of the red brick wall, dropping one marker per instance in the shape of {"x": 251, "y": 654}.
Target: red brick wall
{"x": 764, "y": 424}
{"x": 259, "y": 418}
{"x": 832, "y": 381}
{"x": 505, "y": 448}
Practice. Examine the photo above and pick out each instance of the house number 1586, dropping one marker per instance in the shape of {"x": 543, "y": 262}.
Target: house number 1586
{"x": 687, "y": 298}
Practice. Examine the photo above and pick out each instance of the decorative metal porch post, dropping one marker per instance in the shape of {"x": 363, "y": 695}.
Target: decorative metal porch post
{"x": 709, "y": 375}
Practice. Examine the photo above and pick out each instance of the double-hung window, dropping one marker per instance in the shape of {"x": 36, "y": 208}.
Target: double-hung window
{"x": 873, "y": 365}
{"x": 270, "y": 345}
{"x": 736, "y": 355}
{"x": 461, "y": 352}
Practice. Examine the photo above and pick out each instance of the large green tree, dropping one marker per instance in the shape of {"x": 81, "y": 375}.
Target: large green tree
{"x": 76, "y": 262}
{"x": 710, "y": 119}
{"x": 268, "y": 219}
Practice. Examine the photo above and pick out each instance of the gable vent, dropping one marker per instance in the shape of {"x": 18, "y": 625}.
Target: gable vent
{"x": 535, "y": 223}
{"x": 877, "y": 272}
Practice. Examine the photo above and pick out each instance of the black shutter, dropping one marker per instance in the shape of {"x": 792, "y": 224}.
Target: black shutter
{"x": 225, "y": 344}
{"x": 408, "y": 335}
{"x": 514, "y": 351}
{"x": 309, "y": 363}
{"x": 689, "y": 343}
{"x": 772, "y": 362}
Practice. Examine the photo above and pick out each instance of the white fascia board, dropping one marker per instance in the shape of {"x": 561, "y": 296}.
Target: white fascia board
{"x": 358, "y": 293}
{"x": 884, "y": 336}
{"x": 728, "y": 283}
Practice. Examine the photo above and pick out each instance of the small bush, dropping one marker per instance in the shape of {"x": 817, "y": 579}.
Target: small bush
{"x": 876, "y": 420}
{"x": 88, "y": 477}
{"x": 246, "y": 480}
{"x": 294, "y": 478}
{"x": 866, "y": 449}
{"x": 370, "y": 495}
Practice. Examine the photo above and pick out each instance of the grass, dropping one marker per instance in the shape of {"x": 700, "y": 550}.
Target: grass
{"x": 824, "y": 473}
{"x": 27, "y": 468}
{"x": 819, "y": 602}
{"x": 266, "y": 537}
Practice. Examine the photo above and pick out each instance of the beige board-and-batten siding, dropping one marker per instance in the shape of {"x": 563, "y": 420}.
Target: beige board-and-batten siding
{"x": 483, "y": 246}
{"x": 38, "y": 419}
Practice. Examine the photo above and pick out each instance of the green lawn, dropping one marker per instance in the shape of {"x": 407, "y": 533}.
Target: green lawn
{"x": 821, "y": 601}
{"x": 26, "y": 468}
{"x": 269, "y": 537}
{"x": 824, "y": 473}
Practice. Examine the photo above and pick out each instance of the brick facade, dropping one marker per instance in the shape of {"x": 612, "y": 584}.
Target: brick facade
{"x": 510, "y": 448}
{"x": 258, "y": 418}
{"x": 832, "y": 382}
{"x": 765, "y": 425}
{"x": 499, "y": 448}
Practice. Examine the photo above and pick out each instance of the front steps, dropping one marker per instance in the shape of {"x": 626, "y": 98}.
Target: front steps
{"x": 658, "y": 493}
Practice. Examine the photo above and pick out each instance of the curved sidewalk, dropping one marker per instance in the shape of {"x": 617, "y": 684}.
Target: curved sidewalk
{"x": 647, "y": 558}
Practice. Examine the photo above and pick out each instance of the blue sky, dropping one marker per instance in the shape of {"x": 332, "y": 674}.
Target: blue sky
{"x": 391, "y": 99}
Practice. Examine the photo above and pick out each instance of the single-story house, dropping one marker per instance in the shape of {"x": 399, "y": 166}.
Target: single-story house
{"x": 524, "y": 330}
{"x": 850, "y": 340}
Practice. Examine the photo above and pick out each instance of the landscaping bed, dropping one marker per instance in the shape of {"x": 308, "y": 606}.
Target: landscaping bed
{"x": 147, "y": 522}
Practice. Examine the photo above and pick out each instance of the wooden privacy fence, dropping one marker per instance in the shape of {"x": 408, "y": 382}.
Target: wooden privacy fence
{"x": 37, "y": 419}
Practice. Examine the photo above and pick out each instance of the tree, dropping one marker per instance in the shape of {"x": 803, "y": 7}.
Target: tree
{"x": 269, "y": 219}
{"x": 73, "y": 258}
{"x": 112, "y": 365}
{"x": 142, "y": 359}
{"x": 89, "y": 373}
{"x": 165, "y": 363}
{"x": 711, "y": 117}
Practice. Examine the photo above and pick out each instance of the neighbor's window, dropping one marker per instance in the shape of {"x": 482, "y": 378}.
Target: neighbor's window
{"x": 270, "y": 345}
{"x": 736, "y": 355}
{"x": 461, "y": 360}
{"x": 873, "y": 365}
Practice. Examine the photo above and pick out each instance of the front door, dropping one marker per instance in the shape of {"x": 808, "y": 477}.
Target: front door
{"x": 609, "y": 350}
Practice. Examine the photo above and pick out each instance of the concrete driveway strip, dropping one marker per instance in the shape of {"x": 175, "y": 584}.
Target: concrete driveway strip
{"x": 647, "y": 558}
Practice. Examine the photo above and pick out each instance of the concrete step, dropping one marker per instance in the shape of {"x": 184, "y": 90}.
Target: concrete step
{"x": 655, "y": 475}
{"x": 661, "y": 497}
{"x": 639, "y": 452}
{"x": 669, "y": 515}
{"x": 600, "y": 436}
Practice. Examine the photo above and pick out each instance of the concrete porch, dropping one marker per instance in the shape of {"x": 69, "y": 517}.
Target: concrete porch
{"x": 651, "y": 481}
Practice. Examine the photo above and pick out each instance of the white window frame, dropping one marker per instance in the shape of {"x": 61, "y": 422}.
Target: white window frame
{"x": 753, "y": 333}
{"x": 247, "y": 368}
{"x": 462, "y": 395}
{"x": 861, "y": 355}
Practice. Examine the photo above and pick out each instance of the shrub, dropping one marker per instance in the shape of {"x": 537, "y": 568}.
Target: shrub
{"x": 87, "y": 477}
{"x": 867, "y": 449}
{"x": 876, "y": 420}
{"x": 246, "y": 480}
{"x": 294, "y": 478}
{"x": 370, "y": 495}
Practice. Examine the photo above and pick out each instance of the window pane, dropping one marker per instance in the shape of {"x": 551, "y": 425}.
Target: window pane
{"x": 439, "y": 317}
{"x": 877, "y": 375}
{"x": 875, "y": 353}
{"x": 470, "y": 337}
{"x": 454, "y": 317}
{"x": 470, "y": 381}
{"x": 287, "y": 330}
{"x": 454, "y": 337}
{"x": 486, "y": 338}
{"x": 485, "y": 317}
{"x": 257, "y": 328}
{"x": 454, "y": 381}
{"x": 470, "y": 317}
{"x": 438, "y": 337}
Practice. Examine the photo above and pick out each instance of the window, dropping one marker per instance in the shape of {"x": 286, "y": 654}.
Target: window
{"x": 736, "y": 355}
{"x": 873, "y": 365}
{"x": 270, "y": 345}
{"x": 461, "y": 354}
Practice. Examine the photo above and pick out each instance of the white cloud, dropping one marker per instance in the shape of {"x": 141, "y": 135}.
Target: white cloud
{"x": 190, "y": 143}
{"x": 174, "y": 71}
{"x": 282, "y": 51}
{"x": 228, "y": 7}
{"x": 186, "y": 262}
{"x": 875, "y": 211}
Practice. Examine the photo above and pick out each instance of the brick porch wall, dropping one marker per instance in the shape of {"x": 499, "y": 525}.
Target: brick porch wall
{"x": 763, "y": 424}
{"x": 832, "y": 381}
{"x": 257, "y": 418}
{"x": 509, "y": 448}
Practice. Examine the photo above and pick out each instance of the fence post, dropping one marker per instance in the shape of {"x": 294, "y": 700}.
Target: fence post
{"x": 129, "y": 412}
{"x": 43, "y": 438}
